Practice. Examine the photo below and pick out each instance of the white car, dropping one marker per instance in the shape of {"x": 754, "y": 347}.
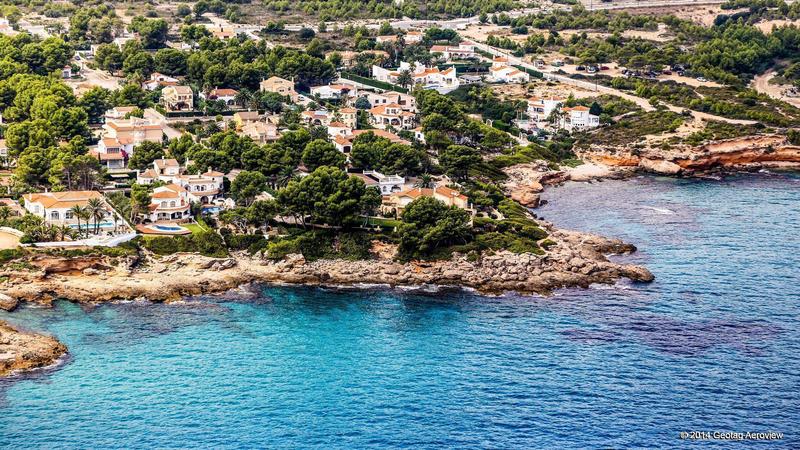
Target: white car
{"x": 701, "y": 79}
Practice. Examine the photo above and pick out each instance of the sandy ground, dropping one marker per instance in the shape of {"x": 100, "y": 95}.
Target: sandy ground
{"x": 660, "y": 35}
{"x": 8, "y": 241}
{"x": 766, "y": 26}
{"x": 92, "y": 78}
{"x": 777, "y": 91}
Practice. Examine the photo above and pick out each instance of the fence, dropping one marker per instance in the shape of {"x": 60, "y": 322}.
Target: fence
{"x": 373, "y": 83}
{"x": 102, "y": 241}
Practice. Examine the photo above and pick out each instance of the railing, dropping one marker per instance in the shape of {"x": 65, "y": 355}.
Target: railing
{"x": 374, "y": 83}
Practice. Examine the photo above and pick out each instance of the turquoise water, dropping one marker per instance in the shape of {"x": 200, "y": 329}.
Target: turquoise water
{"x": 712, "y": 345}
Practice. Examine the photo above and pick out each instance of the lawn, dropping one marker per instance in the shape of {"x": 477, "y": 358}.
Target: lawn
{"x": 195, "y": 227}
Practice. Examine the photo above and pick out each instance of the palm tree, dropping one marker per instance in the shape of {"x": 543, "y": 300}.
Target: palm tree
{"x": 96, "y": 211}
{"x": 244, "y": 98}
{"x": 63, "y": 232}
{"x": 405, "y": 79}
{"x": 425, "y": 181}
{"x": 77, "y": 213}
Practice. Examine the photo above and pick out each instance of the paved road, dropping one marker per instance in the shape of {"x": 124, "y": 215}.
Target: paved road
{"x": 641, "y": 102}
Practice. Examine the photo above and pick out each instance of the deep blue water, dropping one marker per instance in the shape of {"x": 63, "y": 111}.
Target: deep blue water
{"x": 712, "y": 345}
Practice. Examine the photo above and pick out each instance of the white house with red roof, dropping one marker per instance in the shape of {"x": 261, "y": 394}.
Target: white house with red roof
{"x": 428, "y": 77}
{"x": 501, "y": 72}
{"x": 158, "y": 80}
{"x": 413, "y": 37}
{"x": 334, "y": 91}
{"x": 169, "y": 203}
{"x": 464, "y": 50}
{"x": 391, "y": 116}
{"x": 201, "y": 188}
{"x": 540, "y": 110}
{"x": 578, "y": 118}
{"x": 345, "y": 143}
{"x": 222, "y": 94}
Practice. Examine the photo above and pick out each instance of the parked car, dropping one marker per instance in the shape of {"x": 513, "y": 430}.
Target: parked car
{"x": 591, "y": 69}
{"x": 603, "y": 67}
{"x": 666, "y": 72}
{"x": 701, "y": 79}
{"x": 580, "y": 68}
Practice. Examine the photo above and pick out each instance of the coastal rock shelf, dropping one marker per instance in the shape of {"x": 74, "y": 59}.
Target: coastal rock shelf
{"x": 741, "y": 153}
{"x": 21, "y": 351}
{"x": 574, "y": 259}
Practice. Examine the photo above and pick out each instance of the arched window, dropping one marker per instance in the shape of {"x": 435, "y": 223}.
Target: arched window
{"x": 172, "y": 204}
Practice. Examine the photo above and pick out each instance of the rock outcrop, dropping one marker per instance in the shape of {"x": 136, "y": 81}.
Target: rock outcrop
{"x": 740, "y": 153}
{"x": 22, "y": 351}
{"x": 572, "y": 259}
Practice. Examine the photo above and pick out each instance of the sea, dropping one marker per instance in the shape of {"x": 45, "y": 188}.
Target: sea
{"x": 706, "y": 356}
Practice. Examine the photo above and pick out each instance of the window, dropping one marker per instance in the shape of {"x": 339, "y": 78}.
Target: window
{"x": 54, "y": 215}
{"x": 68, "y": 215}
{"x": 172, "y": 204}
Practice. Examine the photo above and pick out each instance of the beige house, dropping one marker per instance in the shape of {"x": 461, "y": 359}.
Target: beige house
{"x": 397, "y": 202}
{"x": 279, "y": 86}
{"x": 124, "y": 134}
{"x": 261, "y": 132}
{"x": 56, "y": 207}
{"x": 178, "y": 98}
{"x": 243, "y": 117}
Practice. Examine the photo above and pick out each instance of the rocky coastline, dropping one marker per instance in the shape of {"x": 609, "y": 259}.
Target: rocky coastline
{"x": 527, "y": 181}
{"x": 572, "y": 260}
{"x": 744, "y": 153}
{"x": 22, "y": 351}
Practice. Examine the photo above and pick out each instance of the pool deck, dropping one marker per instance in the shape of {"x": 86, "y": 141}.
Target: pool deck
{"x": 150, "y": 230}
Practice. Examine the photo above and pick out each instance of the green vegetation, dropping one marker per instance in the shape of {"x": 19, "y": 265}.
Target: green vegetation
{"x": 416, "y": 9}
{"x": 727, "y": 101}
{"x": 206, "y": 243}
{"x": 632, "y": 129}
{"x": 715, "y": 131}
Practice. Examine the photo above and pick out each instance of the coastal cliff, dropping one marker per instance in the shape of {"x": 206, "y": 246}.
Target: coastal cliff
{"x": 572, "y": 260}
{"x": 22, "y": 351}
{"x": 750, "y": 152}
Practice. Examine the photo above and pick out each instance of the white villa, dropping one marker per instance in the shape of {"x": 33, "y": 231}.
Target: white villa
{"x": 392, "y": 115}
{"x": 169, "y": 203}
{"x": 464, "y": 50}
{"x": 405, "y": 101}
{"x": 225, "y": 95}
{"x": 202, "y": 188}
{"x": 540, "y": 115}
{"x": 158, "y": 80}
{"x": 386, "y": 184}
{"x": 501, "y": 72}
{"x": 539, "y": 111}
{"x": 578, "y": 118}
{"x": 125, "y": 134}
{"x": 55, "y": 207}
{"x": 334, "y": 91}
{"x": 429, "y": 77}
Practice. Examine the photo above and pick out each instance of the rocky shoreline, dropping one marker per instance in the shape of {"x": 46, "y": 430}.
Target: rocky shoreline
{"x": 22, "y": 351}
{"x": 745, "y": 153}
{"x": 527, "y": 181}
{"x": 573, "y": 260}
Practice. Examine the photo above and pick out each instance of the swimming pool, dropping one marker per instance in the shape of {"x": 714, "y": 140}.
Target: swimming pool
{"x": 168, "y": 227}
